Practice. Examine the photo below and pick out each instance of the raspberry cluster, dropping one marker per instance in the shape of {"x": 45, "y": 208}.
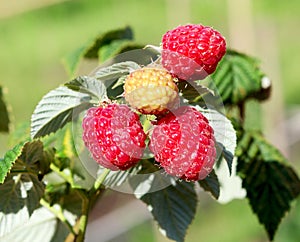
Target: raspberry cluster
{"x": 181, "y": 140}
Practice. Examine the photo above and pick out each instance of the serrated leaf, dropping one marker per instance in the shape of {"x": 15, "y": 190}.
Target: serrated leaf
{"x": 224, "y": 133}
{"x": 211, "y": 184}
{"x": 119, "y": 82}
{"x": 141, "y": 178}
{"x": 54, "y": 193}
{"x": 173, "y": 208}
{"x": 193, "y": 92}
{"x": 23, "y": 182}
{"x": 56, "y": 109}
{"x": 65, "y": 143}
{"x": 112, "y": 76}
{"x": 91, "y": 48}
{"x": 118, "y": 178}
{"x": 88, "y": 85}
{"x": 226, "y": 155}
{"x": 9, "y": 222}
{"x": 4, "y": 120}
{"x": 8, "y": 161}
{"x": 18, "y": 192}
{"x": 270, "y": 182}
{"x": 22, "y": 190}
{"x": 149, "y": 178}
{"x": 117, "y": 47}
{"x": 40, "y": 227}
{"x": 237, "y": 78}
{"x": 34, "y": 159}
{"x": 115, "y": 71}
{"x": 106, "y": 38}
{"x": 26, "y": 157}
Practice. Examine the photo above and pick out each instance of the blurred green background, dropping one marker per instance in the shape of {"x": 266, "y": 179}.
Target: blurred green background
{"x": 35, "y": 35}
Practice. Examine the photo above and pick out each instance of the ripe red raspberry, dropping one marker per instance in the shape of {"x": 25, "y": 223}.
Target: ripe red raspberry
{"x": 114, "y": 136}
{"x": 151, "y": 91}
{"x": 192, "y": 51}
{"x": 183, "y": 144}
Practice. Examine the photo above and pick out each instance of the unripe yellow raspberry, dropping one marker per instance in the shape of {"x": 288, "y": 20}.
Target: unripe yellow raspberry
{"x": 151, "y": 91}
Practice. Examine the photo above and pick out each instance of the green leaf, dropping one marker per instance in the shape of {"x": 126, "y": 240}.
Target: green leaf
{"x": 118, "y": 178}
{"x": 119, "y": 83}
{"x": 26, "y": 157}
{"x": 270, "y": 182}
{"x": 112, "y": 76}
{"x": 42, "y": 226}
{"x": 211, "y": 184}
{"x": 61, "y": 232}
{"x": 34, "y": 159}
{"x": 9, "y": 222}
{"x": 56, "y": 109}
{"x": 226, "y": 155}
{"x": 20, "y": 195}
{"x": 64, "y": 142}
{"x": 225, "y": 168}
{"x": 224, "y": 133}
{"x": 4, "y": 120}
{"x": 8, "y": 161}
{"x": 173, "y": 208}
{"x": 62, "y": 194}
{"x": 117, "y": 47}
{"x": 106, "y": 38}
{"x": 141, "y": 173}
{"x": 115, "y": 71}
{"x": 22, "y": 190}
{"x": 56, "y": 192}
{"x": 88, "y": 85}
{"x": 193, "y": 92}
{"x": 24, "y": 178}
{"x": 91, "y": 48}
{"x": 238, "y": 77}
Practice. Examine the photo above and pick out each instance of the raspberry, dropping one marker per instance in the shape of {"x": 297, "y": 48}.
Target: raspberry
{"x": 114, "y": 136}
{"x": 192, "y": 51}
{"x": 183, "y": 144}
{"x": 151, "y": 91}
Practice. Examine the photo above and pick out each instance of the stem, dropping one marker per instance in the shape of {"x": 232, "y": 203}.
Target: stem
{"x": 100, "y": 179}
{"x": 58, "y": 213}
{"x": 81, "y": 226}
{"x": 87, "y": 201}
{"x": 78, "y": 231}
{"x": 62, "y": 174}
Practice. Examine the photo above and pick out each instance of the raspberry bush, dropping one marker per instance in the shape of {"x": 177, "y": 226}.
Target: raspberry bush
{"x": 145, "y": 117}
